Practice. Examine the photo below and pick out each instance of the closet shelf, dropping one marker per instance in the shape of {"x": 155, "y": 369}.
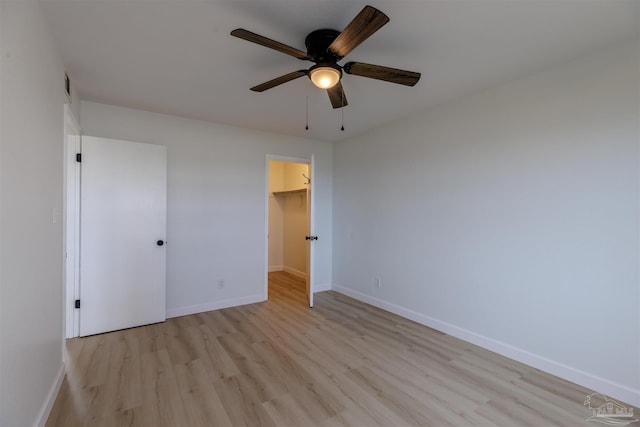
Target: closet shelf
{"x": 287, "y": 192}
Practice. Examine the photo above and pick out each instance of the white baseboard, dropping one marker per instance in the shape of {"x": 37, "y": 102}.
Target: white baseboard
{"x": 45, "y": 410}
{"x": 617, "y": 391}
{"x": 321, "y": 287}
{"x": 275, "y": 268}
{"x": 295, "y": 272}
{"x": 213, "y": 305}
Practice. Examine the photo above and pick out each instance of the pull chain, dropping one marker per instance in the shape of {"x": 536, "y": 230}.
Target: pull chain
{"x": 342, "y": 110}
{"x": 307, "y": 125}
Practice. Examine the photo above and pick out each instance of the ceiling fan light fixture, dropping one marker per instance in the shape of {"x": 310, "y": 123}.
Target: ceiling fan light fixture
{"x": 325, "y": 76}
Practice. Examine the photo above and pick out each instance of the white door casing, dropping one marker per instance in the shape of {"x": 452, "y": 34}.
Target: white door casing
{"x": 309, "y": 242}
{"x": 310, "y": 214}
{"x": 71, "y": 224}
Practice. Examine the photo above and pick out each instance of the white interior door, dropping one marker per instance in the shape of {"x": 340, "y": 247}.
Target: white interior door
{"x": 122, "y": 231}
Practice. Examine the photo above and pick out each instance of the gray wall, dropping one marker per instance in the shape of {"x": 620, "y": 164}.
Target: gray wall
{"x": 31, "y": 154}
{"x": 216, "y": 202}
{"x": 508, "y": 218}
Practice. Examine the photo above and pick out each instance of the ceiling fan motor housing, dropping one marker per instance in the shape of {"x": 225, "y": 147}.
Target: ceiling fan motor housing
{"x": 318, "y": 42}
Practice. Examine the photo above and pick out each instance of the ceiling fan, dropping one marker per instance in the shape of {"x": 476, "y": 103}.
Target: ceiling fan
{"x": 325, "y": 48}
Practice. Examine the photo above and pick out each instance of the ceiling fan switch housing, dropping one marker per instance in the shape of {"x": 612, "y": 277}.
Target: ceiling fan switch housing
{"x": 318, "y": 42}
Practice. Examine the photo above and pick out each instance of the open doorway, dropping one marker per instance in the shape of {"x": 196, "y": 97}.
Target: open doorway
{"x": 289, "y": 231}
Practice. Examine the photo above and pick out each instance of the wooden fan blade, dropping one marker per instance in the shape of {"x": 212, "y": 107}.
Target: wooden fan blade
{"x": 378, "y": 72}
{"x": 279, "y": 80}
{"x": 367, "y": 22}
{"x": 272, "y": 44}
{"x": 337, "y": 97}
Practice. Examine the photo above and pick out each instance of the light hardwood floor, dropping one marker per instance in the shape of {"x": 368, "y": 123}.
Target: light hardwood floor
{"x": 279, "y": 363}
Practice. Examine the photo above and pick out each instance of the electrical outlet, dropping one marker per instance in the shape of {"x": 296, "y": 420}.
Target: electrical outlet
{"x": 221, "y": 284}
{"x": 376, "y": 282}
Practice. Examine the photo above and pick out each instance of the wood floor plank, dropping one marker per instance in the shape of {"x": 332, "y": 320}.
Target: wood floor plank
{"x": 318, "y": 401}
{"x": 241, "y": 402}
{"x": 280, "y": 363}
{"x": 179, "y": 345}
{"x": 292, "y": 373}
{"x": 400, "y": 399}
{"x": 122, "y": 388}
{"x": 218, "y": 323}
{"x": 285, "y": 411}
{"x": 201, "y": 401}
{"x": 150, "y": 338}
{"x": 365, "y": 405}
{"x": 161, "y": 400}
{"x": 93, "y": 366}
{"x": 220, "y": 364}
{"x": 70, "y": 408}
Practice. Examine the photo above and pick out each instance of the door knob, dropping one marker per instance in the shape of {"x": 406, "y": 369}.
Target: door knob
{"x": 160, "y": 242}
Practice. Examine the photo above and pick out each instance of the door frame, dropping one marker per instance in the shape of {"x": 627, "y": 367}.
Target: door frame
{"x": 309, "y": 161}
{"x": 71, "y": 222}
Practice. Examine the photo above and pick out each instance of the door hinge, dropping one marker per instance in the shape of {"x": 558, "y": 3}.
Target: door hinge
{"x": 311, "y": 238}
{"x": 78, "y": 157}
{"x": 77, "y": 304}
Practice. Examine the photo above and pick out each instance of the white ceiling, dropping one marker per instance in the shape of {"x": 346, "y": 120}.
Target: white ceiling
{"x": 177, "y": 57}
